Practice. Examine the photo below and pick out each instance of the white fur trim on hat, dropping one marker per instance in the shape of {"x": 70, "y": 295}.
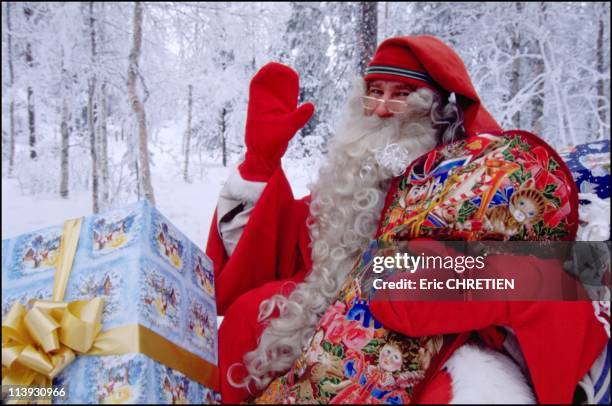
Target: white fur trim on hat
{"x": 481, "y": 375}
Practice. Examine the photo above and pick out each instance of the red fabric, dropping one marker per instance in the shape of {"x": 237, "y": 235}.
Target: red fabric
{"x": 238, "y": 335}
{"x": 560, "y": 340}
{"x": 273, "y": 118}
{"x": 271, "y": 257}
{"x": 273, "y": 245}
{"x": 447, "y": 69}
{"x": 396, "y": 55}
{"x": 437, "y": 392}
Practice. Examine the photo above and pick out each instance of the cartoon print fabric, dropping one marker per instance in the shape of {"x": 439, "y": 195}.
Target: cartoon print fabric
{"x": 352, "y": 358}
{"x": 487, "y": 187}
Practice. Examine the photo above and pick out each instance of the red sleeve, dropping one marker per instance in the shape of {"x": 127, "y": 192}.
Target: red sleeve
{"x": 239, "y": 333}
{"x": 560, "y": 342}
{"x": 273, "y": 245}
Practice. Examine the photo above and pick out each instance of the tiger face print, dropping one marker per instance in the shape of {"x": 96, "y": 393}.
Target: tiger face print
{"x": 526, "y": 208}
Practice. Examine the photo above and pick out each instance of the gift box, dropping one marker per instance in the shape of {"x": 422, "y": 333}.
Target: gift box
{"x": 158, "y": 292}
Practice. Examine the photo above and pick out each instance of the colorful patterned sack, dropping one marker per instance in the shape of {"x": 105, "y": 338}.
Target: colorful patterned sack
{"x": 511, "y": 186}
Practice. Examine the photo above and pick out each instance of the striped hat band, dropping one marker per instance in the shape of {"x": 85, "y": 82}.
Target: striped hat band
{"x": 389, "y": 70}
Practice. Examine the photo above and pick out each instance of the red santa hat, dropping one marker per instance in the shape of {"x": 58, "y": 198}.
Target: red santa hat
{"x": 426, "y": 61}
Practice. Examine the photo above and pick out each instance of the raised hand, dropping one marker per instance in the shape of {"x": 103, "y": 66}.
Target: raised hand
{"x": 273, "y": 118}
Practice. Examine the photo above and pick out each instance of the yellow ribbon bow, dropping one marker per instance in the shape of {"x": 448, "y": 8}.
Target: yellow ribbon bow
{"x": 37, "y": 344}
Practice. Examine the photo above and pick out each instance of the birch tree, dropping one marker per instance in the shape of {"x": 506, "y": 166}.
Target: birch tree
{"x": 91, "y": 106}
{"x": 103, "y": 118}
{"x": 367, "y": 31}
{"x": 516, "y": 68}
{"x": 27, "y": 11}
{"x": 137, "y": 106}
{"x": 11, "y": 90}
{"x": 223, "y": 134}
{"x": 65, "y": 132}
{"x": 537, "y": 102}
{"x": 188, "y": 134}
{"x": 603, "y": 99}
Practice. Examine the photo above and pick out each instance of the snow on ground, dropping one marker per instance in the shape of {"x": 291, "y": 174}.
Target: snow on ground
{"x": 23, "y": 213}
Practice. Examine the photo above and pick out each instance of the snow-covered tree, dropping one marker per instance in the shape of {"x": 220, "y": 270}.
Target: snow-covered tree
{"x": 540, "y": 66}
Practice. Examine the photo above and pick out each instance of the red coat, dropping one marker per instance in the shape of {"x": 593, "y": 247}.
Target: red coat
{"x": 273, "y": 250}
{"x": 273, "y": 245}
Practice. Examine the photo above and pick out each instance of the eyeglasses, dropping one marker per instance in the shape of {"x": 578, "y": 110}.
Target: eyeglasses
{"x": 394, "y": 106}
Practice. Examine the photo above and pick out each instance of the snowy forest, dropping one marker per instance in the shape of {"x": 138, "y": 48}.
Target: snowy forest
{"x": 103, "y": 100}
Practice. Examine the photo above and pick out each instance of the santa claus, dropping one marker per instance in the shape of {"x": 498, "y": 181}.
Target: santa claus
{"x": 280, "y": 263}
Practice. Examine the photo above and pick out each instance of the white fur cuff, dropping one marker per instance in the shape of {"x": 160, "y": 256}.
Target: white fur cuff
{"x": 237, "y": 188}
{"x": 481, "y": 375}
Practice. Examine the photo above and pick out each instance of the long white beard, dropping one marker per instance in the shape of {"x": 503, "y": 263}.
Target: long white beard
{"x": 346, "y": 203}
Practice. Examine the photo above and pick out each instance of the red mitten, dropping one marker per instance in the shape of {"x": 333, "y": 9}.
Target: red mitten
{"x": 417, "y": 319}
{"x": 273, "y": 118}
{"x": 444, "y": 312}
